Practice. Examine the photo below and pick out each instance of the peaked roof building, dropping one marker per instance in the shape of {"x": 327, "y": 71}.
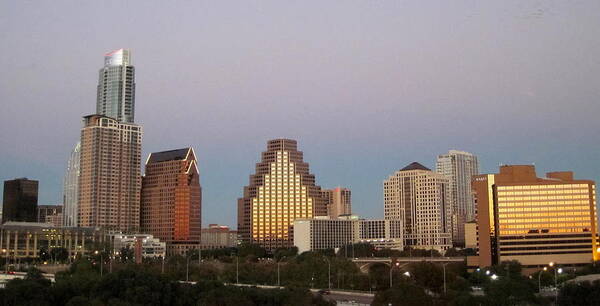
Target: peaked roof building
{"x": 171, "y": 201}
{"x": 281, "y": 191}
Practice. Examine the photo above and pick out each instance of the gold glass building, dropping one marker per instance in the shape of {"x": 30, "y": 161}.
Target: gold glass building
{"x": 535, "y": 220}
{"x": 281, "y": 191}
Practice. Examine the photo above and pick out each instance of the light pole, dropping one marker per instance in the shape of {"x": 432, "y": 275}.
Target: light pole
{"x": 5, "y": 260}
{"x": 101, "y": 260}
{"x": 187, "y": 268}
{"x": 237, "y": 269}
{"x": 540, "y": 279}
{"x": 391, "y": 269}
{"x": 328, "y": 273}
{"x": 557, "y": 271}
{"x": 162, "y": 269}
{"x": 444, "y": 269}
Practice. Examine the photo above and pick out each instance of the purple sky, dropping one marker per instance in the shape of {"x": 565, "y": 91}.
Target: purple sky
{"x": 366, "y": 87}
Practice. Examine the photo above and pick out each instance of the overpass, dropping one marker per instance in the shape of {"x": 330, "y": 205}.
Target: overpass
{"x": 364, "y": 263}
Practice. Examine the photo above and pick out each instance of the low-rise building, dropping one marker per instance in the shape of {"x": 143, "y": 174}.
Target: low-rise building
{"x": 326, "y": 233}
{"x": 144, "y": 244}
{"x": 218, "y": 237}
{"x": 24, "y": 240}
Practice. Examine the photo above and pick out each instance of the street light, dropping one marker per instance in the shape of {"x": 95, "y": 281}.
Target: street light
{"x": 444, "y": 268}
{"x": 101, "y": 260}
{"x": 494, "y": 277}
{"x": 5, "y": 260}
{"x": 540, "y": 280}
{"x": 328, "y": 273}
{"x": 391, "y": 269}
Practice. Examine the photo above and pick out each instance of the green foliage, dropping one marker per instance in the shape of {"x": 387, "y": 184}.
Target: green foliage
{"x": 405, "y": 294}
{"x": 281, "y": 253}
{"x": 584, "y": 293}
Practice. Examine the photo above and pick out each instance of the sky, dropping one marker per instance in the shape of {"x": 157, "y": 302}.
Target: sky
{"x": 365, "y": 87}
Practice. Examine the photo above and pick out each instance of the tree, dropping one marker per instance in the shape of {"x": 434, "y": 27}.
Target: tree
{"x": 404, "y": 294}
{"x": 583, "y": 293}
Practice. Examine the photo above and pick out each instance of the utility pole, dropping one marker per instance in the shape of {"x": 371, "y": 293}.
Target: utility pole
{"x": 237, "y": 269}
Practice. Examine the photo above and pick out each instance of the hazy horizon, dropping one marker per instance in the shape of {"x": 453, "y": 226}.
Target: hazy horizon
{"x": 364, "y": 87}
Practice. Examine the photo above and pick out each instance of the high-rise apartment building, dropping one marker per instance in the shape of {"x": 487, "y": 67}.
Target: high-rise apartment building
{"x": 116, "y": 87}
{"x": 338, "y": 201}
{"x": 71, "y": 188}
{"x": 171, "y": 199}
{"x": 535, "y": 220}
{"x": 421, "y": 199}
{"x": 50, "y": 214}
{"x": 110, "y": 181}
{"x": 20, "y": 200}
{"x": 459, "y": 167}
{"x": 281, "y": 190}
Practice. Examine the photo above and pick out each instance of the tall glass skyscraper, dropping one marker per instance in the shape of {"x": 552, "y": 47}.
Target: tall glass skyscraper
{"x": 71, "y": 188}
{"x": 116, "y": 87}
{"x": 459, "y": 167}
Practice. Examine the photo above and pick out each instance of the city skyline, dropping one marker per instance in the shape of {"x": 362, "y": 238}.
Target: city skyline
{"x": 525, "y": 92}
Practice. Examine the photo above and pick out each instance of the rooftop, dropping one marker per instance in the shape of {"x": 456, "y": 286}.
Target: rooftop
{"x": 415, "y": 166}
{"x": 163, "y": 156}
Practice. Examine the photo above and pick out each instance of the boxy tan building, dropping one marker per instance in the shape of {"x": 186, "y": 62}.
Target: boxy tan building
{"x": 535, "y": 220}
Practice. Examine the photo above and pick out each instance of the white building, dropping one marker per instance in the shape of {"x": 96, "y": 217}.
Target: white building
{"x": 322, "y": 233}
{"x": 150, "y": 247}
{"x": 420, "y": 198}
{"x": 218, "y": 237}
{"x": 459, "y": 167}
{"x": 71, "y": 188}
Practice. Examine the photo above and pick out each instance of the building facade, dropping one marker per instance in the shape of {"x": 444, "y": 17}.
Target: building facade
{"x": 116, "y": 87}
{"x": 20, "y": 200}
{"x": 323, "y": 233}
{"x": 535, "y": 220}
{"x": 23, "y": 240}
{"x": 459, "y": 167}
{"x": 421, "y": 199}
{"x": 172, "y": 198}
{"x": 338, "y": 201}
{"x": 71, "y": 188}
{"x": 50, "y": 214}
{"x": 147, "y": 246}
{"x": 281, "y": 191}
{"x": 218, "y": 237}
{"x": 109, "y": 181}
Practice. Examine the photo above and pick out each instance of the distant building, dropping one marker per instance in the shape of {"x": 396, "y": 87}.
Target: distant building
{"x": 281, "y": 191}
{"x": 338, "y": 201}
{"x": 459, "y": 167}
{"x": 23, "y": 240}
{"x": 110, "y": 178}
{"x": 218, "y": 237}
{"x": 322, "y": 233}
{"x": 20, "y": 200}
{"x": 116, "y": 87}
{"x": 421, "y": 199}
{"x": 171, "y": 199}
{"x": 471, "y": 235}
{"x": 71, "y": 188}
{"x": 147, "y": 245}
{"x": 535, "y": 220}
{"x": 52, "y": 214}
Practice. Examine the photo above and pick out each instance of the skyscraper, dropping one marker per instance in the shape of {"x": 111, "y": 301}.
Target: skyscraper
{"x": 338, "y": 201}
{"x": 171, "y": 199}
{"x": 420, "y": 198}
{"x": 459, "y": 167}
{"x": 109, "y": 181}
{"x": 281, "y": 190}
{"x": 71, "y": 188}
{"x": 535, "y": 220}
{"x": 20, "y": 200}
{"x": 116, "y": 87}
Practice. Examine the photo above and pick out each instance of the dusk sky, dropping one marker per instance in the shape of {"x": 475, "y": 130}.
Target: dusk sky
{"x": 366, "y": 87}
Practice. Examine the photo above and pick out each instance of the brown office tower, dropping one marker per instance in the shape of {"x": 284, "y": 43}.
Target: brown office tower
{"x": 535, "y": 220}
{"x": 109, "y": 181}
{"x": 338, "y": 201}
{"x": 281, "y": 190}
{"x": 171, "y": 199}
